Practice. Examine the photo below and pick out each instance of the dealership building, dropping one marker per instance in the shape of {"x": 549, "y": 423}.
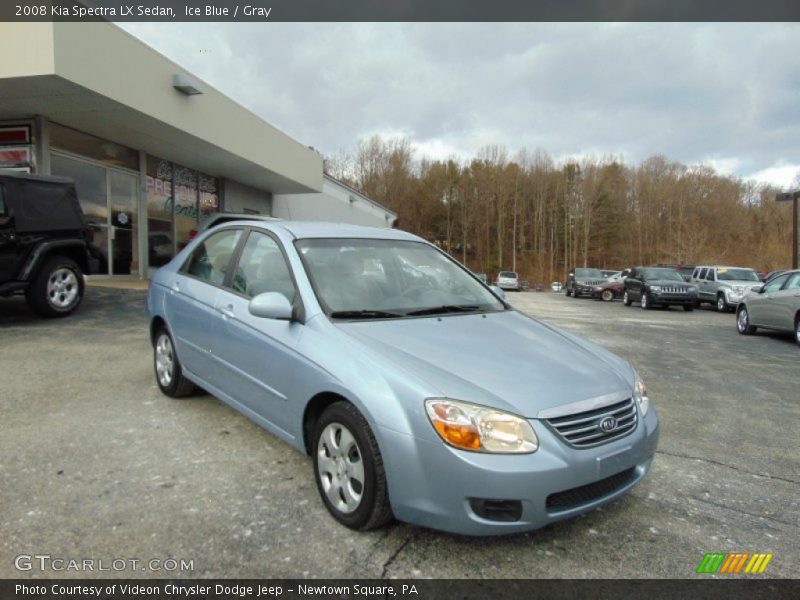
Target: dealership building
{"x": 151, "y": 148}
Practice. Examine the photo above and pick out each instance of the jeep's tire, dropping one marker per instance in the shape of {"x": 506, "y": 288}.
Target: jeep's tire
{"x": 167, "y": 368}
{"x": 646, "y": 302}
{"x": 626, "y": 299}
{"x": 688, "y": 307}
{"x": 348, "y": 468}
{"x": 722, "y": 305}
{"x": 607, "y": 295}
{"x": 57, "y": 289}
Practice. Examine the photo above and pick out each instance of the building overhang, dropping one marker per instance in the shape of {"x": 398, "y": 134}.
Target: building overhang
{"x": 97, "y": 78}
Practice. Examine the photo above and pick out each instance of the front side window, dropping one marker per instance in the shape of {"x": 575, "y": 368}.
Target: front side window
{"x": 710, "y": 275}
{"x": 210, "y": 259}
{"x": 262, "y": 268}
{"x": 374, "y": 278}
{"x": 776, "y": 284}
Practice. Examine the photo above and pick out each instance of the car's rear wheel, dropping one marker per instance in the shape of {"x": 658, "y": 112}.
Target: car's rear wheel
{"x": 743, "y": 322}
{"x": 57, "y": 289}
{"x": 607, "y": 295}
{"x": 646, "y": 302}
{"x": 348, "y": 468}
{"x": 168, "y": 370}
{"x": 626, "y": 299}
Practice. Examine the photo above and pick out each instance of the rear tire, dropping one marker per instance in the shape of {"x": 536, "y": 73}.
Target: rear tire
{"x": 348, "y": 468}
{"x": 167, "y": 367}
{"x": 57, "y": 289}
{"x": 626, "y": 299}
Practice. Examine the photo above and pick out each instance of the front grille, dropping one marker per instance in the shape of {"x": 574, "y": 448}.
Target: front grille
{"x": 582, "y": 430}
{"x": 593, "y": 283}
{"x": 588, "y": 493}
{"x": 670, "y": 289}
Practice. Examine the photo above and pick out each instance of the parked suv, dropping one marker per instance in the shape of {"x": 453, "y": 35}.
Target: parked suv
{"x": 508, "y": 280}
{"x": 584, "y": 282}
{"x": 656, "y": 286}
{"x": 723, "y": 286}
{"x": 44, "y": 243}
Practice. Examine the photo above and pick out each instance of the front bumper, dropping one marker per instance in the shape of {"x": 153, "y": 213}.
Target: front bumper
{"x": 585, "y": 290}
{"x": 676, "y": 299}
{"x": 432, "y": 484}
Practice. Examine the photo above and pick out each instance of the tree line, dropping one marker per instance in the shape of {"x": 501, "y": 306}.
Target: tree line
{"x": 527, "y": 213}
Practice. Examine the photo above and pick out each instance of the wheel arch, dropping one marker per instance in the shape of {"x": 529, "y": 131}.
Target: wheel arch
{"x": 314, "y": 409}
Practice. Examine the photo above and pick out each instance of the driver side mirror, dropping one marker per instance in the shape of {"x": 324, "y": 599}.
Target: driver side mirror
{"x": 271, "y": 305}
{"x": 762, "y": 289}
{"x": 498, "y": 292}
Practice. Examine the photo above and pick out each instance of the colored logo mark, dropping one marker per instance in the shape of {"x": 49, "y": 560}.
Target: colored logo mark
{"x": 734, "y": 563}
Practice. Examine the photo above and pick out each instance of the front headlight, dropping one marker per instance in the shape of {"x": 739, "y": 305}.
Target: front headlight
{"x": 640, "y": 394}
{"x": 480, "y": 428}
{"x": 655, "y": 288}
{"x": 691, "y": 289}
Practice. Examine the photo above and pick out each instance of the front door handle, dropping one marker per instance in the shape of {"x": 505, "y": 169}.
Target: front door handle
{"x": 227, "y": 311}
{"x": 176, "y": 287}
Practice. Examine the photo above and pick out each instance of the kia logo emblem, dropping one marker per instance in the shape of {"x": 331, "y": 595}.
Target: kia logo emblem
{"x": 608, "y": 424}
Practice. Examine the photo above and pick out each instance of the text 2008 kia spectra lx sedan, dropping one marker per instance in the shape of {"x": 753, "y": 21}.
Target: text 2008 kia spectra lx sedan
{"x": 417, "y": 391}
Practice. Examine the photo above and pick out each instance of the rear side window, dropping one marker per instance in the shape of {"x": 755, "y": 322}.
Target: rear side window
{"x": 209, "y": 261}
{"x": 701, "y": 274}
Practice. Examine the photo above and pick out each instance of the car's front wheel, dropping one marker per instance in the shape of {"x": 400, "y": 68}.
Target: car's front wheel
{"x": 349, "y": 469}
{"x": 626, "y": 299}
{"x": 168, "y": 370}
{"x": 722, "y": 304}
{"x": 607, "y": 295}
{"x": 57, "y": 289}
{"x": 743, "y": 322}
{"x": 647, "y": 304}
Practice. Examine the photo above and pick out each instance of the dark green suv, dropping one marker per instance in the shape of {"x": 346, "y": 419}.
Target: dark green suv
{"x": 45, "y": 245}
{"x": 657, "y": 286}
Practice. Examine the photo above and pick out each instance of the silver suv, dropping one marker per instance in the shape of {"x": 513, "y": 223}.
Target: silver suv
{"x": 724, "y": 286}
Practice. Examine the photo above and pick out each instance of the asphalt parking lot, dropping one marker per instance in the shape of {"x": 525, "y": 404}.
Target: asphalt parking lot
{"x": 96, "y": 464}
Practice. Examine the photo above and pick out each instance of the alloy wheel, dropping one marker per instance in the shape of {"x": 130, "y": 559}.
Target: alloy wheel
{"x": 742, "y": 321}
{"x": 62, "y": 288}
{"x": 165, "y": 360}
{"x": 341, "y": 467}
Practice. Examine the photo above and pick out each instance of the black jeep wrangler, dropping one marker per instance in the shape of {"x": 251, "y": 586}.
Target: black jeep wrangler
{"x": 45, "y": 245}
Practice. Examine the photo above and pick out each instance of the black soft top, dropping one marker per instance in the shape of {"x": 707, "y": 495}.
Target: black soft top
{"x": 42, "y": 203}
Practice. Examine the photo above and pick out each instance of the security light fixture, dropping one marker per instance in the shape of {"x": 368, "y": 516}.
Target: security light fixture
{"x": 186, "y": 84}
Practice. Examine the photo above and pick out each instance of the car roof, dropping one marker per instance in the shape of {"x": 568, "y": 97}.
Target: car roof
{"x": 722, "y": 267}
{"x": 322, "y": 229}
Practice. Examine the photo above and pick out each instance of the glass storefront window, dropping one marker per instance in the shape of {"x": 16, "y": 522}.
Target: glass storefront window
{"x": 90, "y": 146}
{"x": 186, "y": 212}
{"x": 158, "y": 187}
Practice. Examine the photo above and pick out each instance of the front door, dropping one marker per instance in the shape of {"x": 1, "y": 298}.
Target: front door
{"x": 109, "y": 198}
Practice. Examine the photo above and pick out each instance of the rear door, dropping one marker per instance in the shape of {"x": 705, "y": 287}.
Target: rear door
{"x": 191, "y": 303}
{"x": 708, "y": 286}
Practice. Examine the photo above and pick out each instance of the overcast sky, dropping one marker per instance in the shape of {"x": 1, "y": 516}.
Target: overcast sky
{"x": 726, "y": 95}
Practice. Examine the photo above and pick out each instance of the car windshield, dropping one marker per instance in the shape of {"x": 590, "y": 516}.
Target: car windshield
{"x": 373, "y": 278}
{"x": 737, "y": 275}
{"x": 589, "y": 273}
{"x": 663, "y": 274}
{"x": 509, "y": 274}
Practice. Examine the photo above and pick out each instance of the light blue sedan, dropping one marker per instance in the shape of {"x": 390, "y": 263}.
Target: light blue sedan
{"x": 417, "y": 391}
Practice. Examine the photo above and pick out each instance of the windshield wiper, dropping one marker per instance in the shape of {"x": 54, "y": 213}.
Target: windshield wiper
{"x": 364, "y": 314}
{"x": 447, "y": 308}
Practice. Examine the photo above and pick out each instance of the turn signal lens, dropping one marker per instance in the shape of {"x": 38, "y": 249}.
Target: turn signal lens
{"x": 480, "y": 428}
{"x": 640, "y": 394}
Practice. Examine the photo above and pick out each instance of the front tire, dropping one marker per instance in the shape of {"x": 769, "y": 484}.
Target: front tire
{"x": 743, "y": 322}
{"x": 568, "y": 292}
{"x": 348, "y": 468}
{"x": 688, "y": 307}
{"x": 722, "y": 304}
{"x": 626, "y": 299}
{"x": 647, "y": 304}
{"x": 57, "y": 288}
{"x": 167, "y": 367}
{"x": 607, "y": 295}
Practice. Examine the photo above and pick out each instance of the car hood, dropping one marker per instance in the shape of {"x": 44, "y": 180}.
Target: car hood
{"x": 505, "y": 360}
{"x": 668, "y": 282}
